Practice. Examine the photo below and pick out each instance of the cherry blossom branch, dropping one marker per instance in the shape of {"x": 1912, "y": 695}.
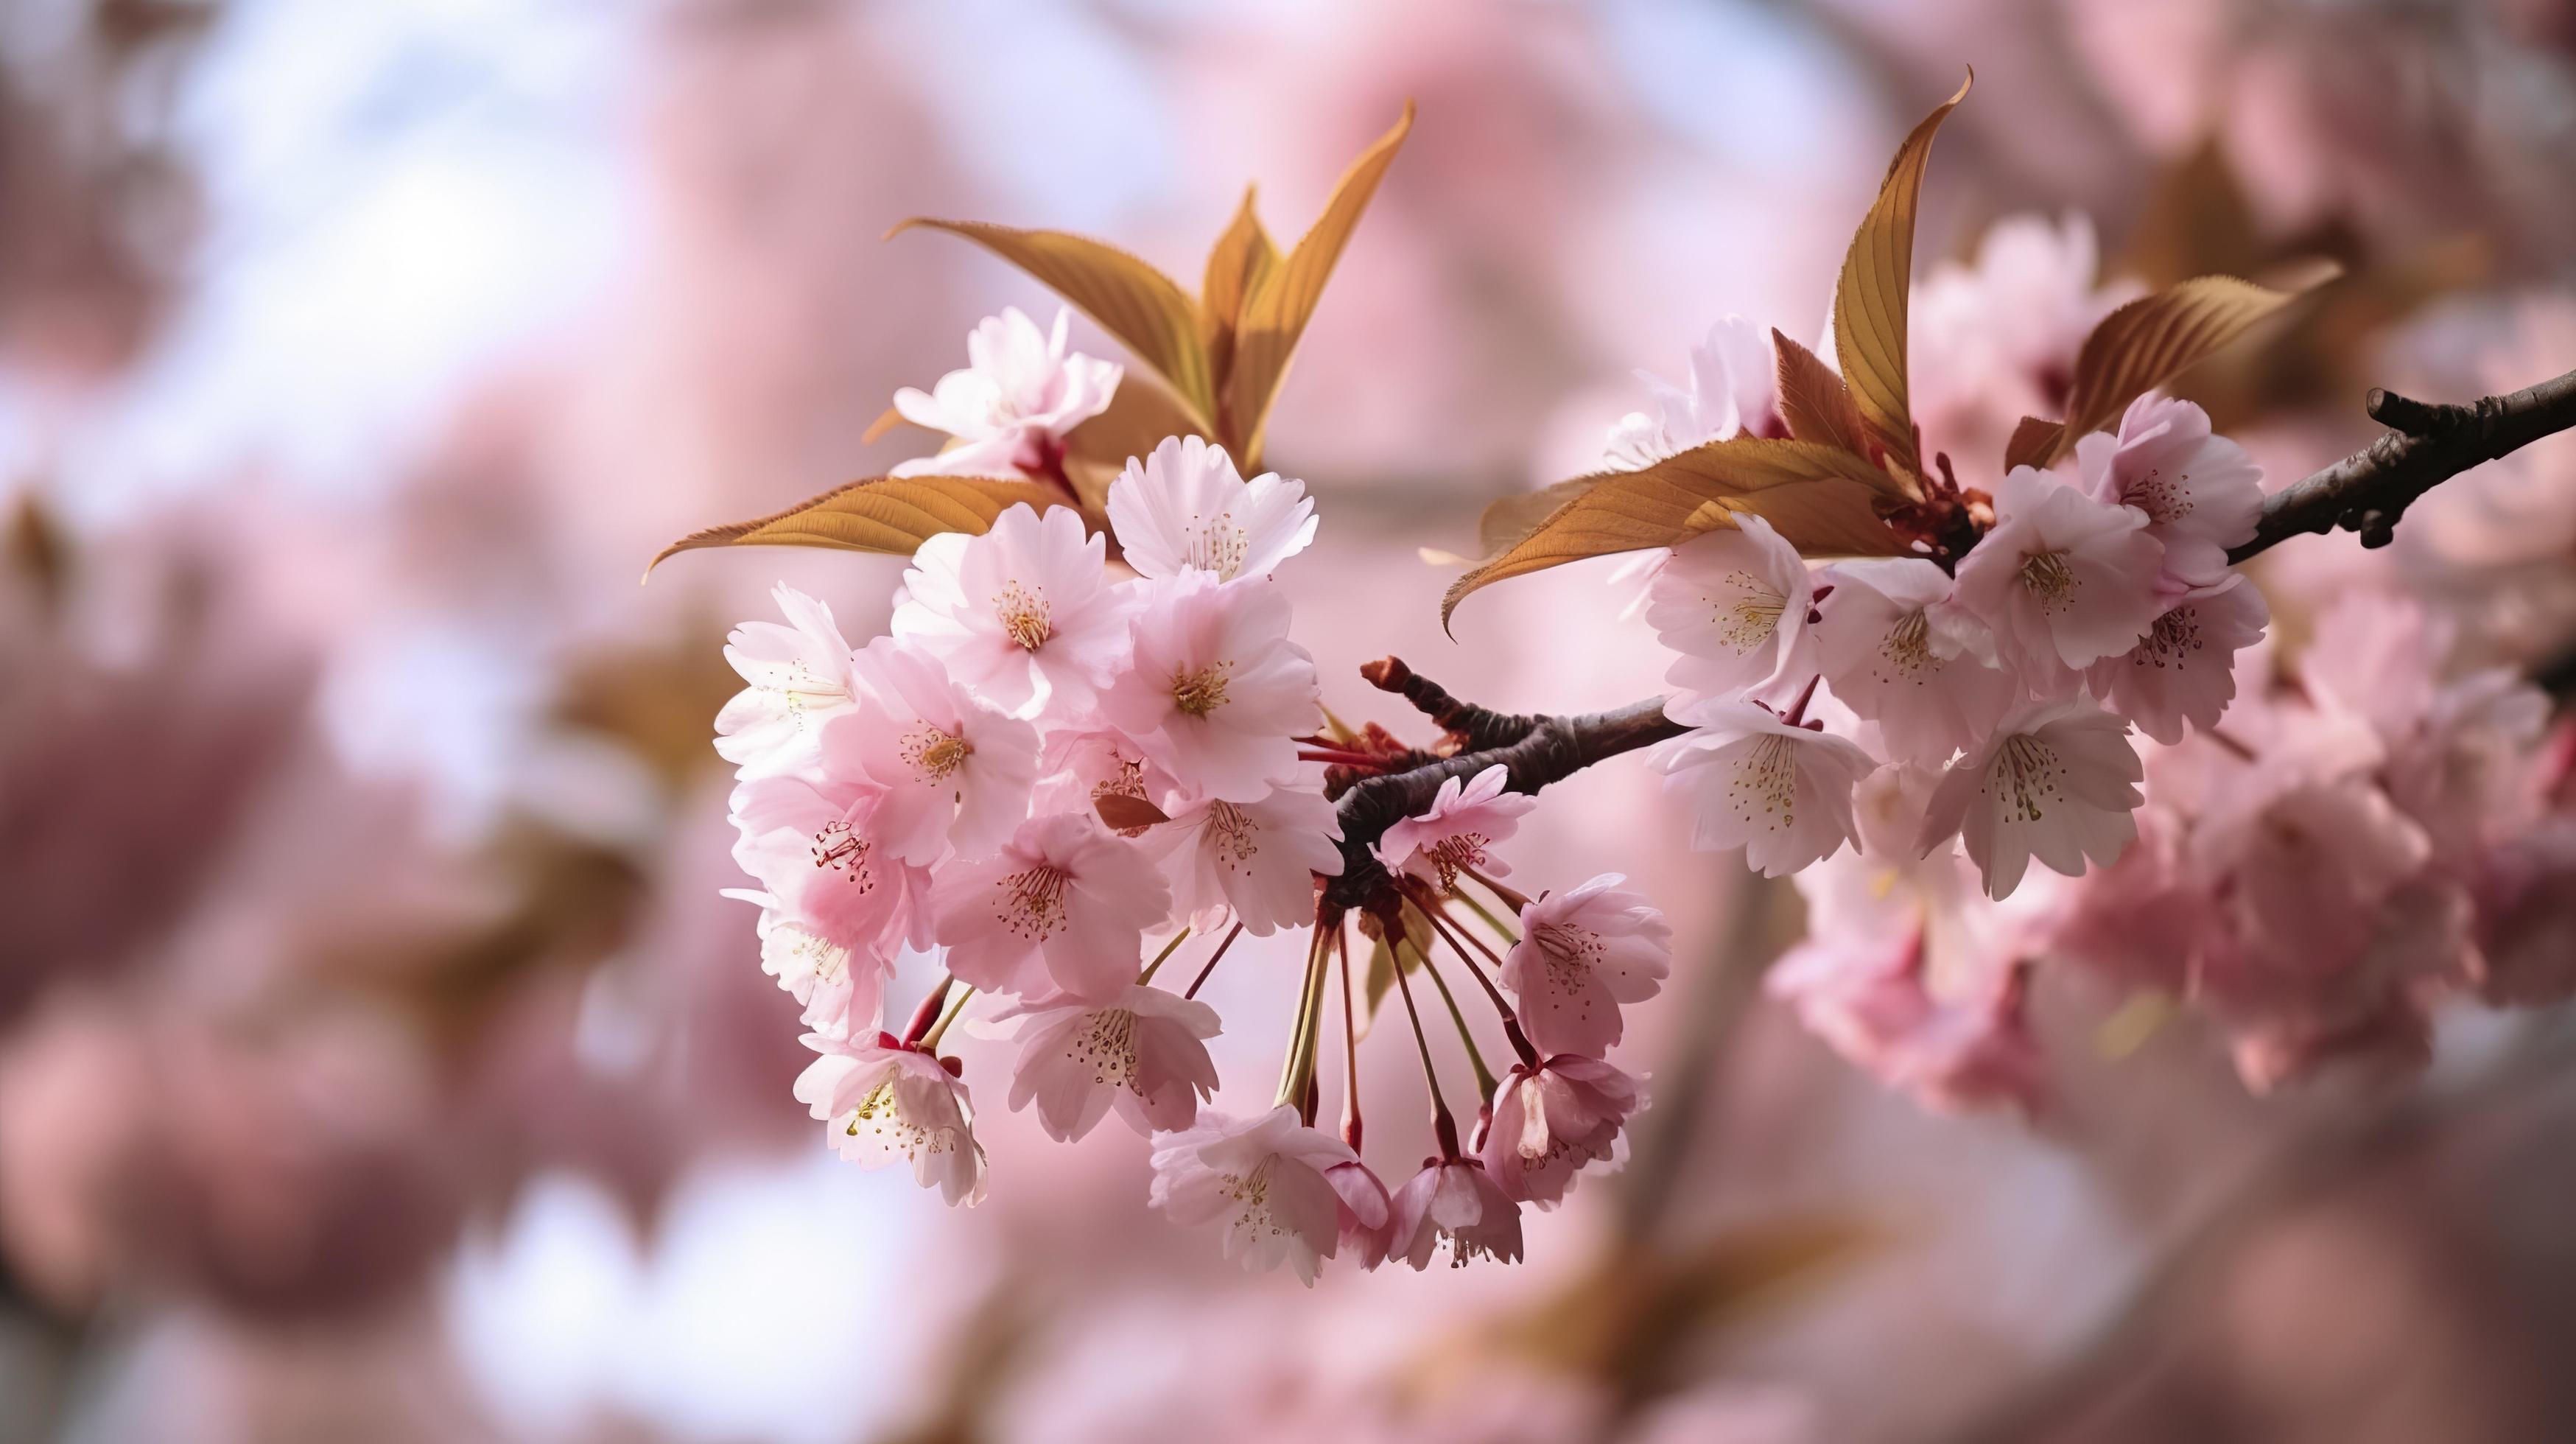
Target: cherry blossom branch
{"x": 1534, "y": 750}
{"x": 2367, "y": 492}
{"x": 2426, "y": 445}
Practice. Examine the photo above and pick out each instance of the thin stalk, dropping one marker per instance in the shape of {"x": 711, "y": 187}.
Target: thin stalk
{"x": 1475, "y": 1058}
{"x": 1501, "y": 928}
{"x": 1443, "y": 1126}
{"x": 1169, "y": 948}
{"x": 955, "y": 1007}
{"x": 1350, "y": 1049}
{"x": 928, "y": 1012}
{"x": 1292, "y": 1074}
{"x": 1213, "y": 960}
{"x": 1511, "y": 897}
{"x": 1451, "y": 932}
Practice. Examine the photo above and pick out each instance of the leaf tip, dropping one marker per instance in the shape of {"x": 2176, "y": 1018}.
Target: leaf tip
{"x": 907, "y": 223}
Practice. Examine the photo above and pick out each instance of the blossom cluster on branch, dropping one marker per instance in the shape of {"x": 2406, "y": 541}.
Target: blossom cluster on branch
{"x": 1089, "y": 739}
{"x": 1059, "y": 770}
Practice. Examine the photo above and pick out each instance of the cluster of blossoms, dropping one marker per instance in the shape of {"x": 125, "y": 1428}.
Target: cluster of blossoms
{"x": 2309, "y": 862}
{"x": 1061, "y": 766}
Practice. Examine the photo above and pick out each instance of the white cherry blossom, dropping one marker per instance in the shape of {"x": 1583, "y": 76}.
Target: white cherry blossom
{"x": 1780, "y": 790}
{"x": 2184, "y": 670}
{"x": 1584, "y": 952}
{"x": 2057, "y": 781}
{"x": 2201, "y": 493}
{"x": 884, "y": 1104}
{"x": 1216, "y": 690}
{"x": 1262, "y": 1180}
{"x": 1734, "y": 389}
{"x": 1253, "y": 861}
{"x": 799, "y": 677}
{"x": 1142, "y": 1053}
{"x": 1896, "y": 651}
{"x": 956, "y": 771}
{"x": 1457, "y": 832}
{"x": 1024, "y": 615}
{"x": 1009, "y": 410}
{"x": 1185, "y": 508}
{"x": 1734, "y": 604}
{"x": 2063, "y": 579}
{"x": 1061, "y": 908}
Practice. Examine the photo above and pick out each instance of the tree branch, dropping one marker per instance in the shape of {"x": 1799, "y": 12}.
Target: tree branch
{"x": 2426, "y": 445}
{"x": 1540, "y": 750}
{"x": 2367, "y": 492}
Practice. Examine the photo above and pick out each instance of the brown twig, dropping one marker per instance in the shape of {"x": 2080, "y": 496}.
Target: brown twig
{"x": 2367, "y": 492}
{"x": 1547, "y": 749}
{"x": 2426, "y": 445}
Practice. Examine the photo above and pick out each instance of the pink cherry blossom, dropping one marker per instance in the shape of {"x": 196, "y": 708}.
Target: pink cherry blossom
{"x": 956, "y": 771}
{"x": 2471, "y": 773}
{"x": 2201, "y": 493}
{"x": 1185, "y": 508}
{"x": 1263, "y": 1180}
{"x": 1733, "y": 391}
{"x": 1087, "y": 760}
{"x": 1253, "y": 861}
{"x": 1996, "y": 338}
{"x": 1777, "y": 789}
{"x": 884, "y": 1104}
{"x": 799, "y": 677}
{"x": 1216, "y": 690}
{"x": 841, "y": 989}
{"x": 1734, "y": 604}
{"x": 2307, "y": 866}
{"x": 1897, "y": 652}
{"x": 2057, "y": 781}
{"x": 1911, "y": 972}
{"x": 1452, "y": 1201}
{"x": 2183, "y": 671}
{"x": 1144, "y": 1052}
{"x": 814, "y": 846}
{"x": 1021, "y": 391}
{"x": 1457, "y": 832}
{"x": 2064, "y": 580}
{"x": 1060, "y": 908}
{"x": 2376, "y": 657}
{"x": 1365, "y": 1211}
{"x": 1583, "y": 953}
{"x": 1024, "y": 615}
{"x": 1549, "y": 1122}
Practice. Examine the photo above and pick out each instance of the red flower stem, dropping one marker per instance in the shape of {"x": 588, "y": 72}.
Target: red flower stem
{"x": 1350, "y": 1049}
{"x": 928, "y": 1012}
{"x": 1511, "y": 1021}
{"x": 1215, "y": 958}
{"x": 1807, "y": 694}
{"x": 1443, "y": 1127}
{"x": 1342, "y": 755}
{"x": 1512, "y": 898}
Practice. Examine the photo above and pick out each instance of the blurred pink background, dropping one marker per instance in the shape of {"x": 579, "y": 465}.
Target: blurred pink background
{"x": 378, "y": 1061}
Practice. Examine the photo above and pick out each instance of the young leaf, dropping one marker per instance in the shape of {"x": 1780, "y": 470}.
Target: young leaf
{"x": 1814, "y": 401}
{"x": 1122, "y": 813}
{"x": 1131, "y": 300}
{"x": 1824, "y": 501}
{"x": 1275, "y": 312}
{"x": 889, "y": 514}
{"x": 2034, "y": 443}
{"x": 1243, "y": 256}
{"x": 2152, "y": 340}
{"x": 1508, "y": 519}
{"x": 1871, "y": 297}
